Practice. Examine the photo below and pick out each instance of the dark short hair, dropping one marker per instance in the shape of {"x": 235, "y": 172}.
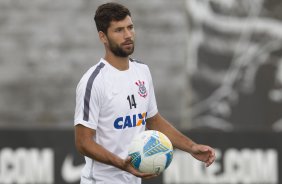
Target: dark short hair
{"x": 108, "y": 12}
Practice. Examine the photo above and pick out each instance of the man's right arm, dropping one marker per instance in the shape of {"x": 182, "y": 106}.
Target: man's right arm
{"x": 86, "y": 145}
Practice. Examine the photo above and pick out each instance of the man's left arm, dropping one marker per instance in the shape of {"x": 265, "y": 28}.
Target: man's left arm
{"x": 201, "y": 152}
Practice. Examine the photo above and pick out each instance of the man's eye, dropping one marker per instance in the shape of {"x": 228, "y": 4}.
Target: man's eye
{"x": 118, "y": 30}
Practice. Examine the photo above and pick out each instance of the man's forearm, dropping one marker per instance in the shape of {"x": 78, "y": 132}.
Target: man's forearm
{"x": 178, "y": 139}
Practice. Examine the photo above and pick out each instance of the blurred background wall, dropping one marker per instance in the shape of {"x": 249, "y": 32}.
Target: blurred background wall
{"x": 216, "y": 64}
{"x": 234, "y": 61}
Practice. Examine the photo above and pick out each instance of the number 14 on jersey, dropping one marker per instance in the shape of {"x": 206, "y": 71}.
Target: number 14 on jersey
{"x": 131, "y": 101}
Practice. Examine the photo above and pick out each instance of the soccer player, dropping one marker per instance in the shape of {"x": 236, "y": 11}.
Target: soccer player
{"x": 115, "y": 101}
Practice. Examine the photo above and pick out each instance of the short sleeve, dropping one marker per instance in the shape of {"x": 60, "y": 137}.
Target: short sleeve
{"x": 152, "y": 109}
{"x": 88, "y": 98}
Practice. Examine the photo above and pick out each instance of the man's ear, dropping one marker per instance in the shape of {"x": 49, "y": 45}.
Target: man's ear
{"x": 103, "y": 37}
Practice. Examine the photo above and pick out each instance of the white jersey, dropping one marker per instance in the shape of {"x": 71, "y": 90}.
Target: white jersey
{"x": 115, "y": 104}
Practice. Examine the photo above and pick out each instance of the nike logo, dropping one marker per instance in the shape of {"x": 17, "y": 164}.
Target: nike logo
{"x": 71, "y": 173}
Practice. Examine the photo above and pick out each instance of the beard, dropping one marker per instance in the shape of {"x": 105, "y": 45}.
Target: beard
{"x": 117, "y": 50}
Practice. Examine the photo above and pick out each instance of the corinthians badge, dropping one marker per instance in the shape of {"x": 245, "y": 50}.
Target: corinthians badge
{"x": 142, "y": 89}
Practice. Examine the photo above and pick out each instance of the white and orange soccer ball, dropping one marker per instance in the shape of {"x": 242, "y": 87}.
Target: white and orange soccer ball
{"x": 151, "y": 152}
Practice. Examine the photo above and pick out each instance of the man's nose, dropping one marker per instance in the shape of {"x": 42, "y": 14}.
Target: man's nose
{"x": 128, "y": 33}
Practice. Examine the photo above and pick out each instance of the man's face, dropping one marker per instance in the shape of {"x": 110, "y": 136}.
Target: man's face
{"x": 120, "y": 37}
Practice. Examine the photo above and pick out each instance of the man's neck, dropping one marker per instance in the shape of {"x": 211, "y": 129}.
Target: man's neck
{"x": 120, "y": 63}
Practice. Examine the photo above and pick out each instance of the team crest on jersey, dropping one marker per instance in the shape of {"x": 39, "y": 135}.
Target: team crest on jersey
{"x": 142, "y": 89}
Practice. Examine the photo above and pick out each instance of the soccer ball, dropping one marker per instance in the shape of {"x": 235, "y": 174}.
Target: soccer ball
{"x": 151, "y": 152}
